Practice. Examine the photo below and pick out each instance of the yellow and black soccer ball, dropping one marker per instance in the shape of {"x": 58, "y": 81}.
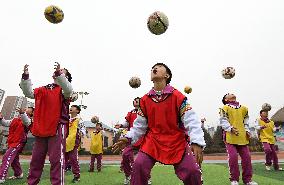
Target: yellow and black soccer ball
{"x": 158, "y": 23}
{"x": 54, "y": 14}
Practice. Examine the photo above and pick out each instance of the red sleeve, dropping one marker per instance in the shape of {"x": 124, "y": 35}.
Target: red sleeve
{"x": 128, "y": 116}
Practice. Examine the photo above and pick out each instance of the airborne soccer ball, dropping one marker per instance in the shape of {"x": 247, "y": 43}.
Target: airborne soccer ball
{"x": 158, "y": 23}
{"x": 74, "y": 97}
{"x": 134, "y": 82}
{"x": 228, "y": 72}
{"x": 54, "y": 14}
{"x": 95, "y": 119}
{"x": 187, "y": 89}
{"x": 266, "y": 107}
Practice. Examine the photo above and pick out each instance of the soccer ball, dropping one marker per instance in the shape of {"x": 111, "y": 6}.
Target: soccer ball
{"x": 74, "y": 97}
{"x": 187, "y": 89}
{"x": 134, "y": 82}
{"x": 158, "y": 23}
{"x": 54, "y": 14}
{"x": 228, "y": 72}
{"x": 266, "y": 107}
{"x": 95, "y": 119}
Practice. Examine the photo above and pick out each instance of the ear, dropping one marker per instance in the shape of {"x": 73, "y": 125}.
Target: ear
{"x": 167, "y": 76}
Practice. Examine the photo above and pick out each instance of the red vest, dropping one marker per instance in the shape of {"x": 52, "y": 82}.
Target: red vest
{"x": 165, "y": 141}
{"x": 48, "y": 104}
{"x": 130, "y": 118}
{"x": 17, "y": 133}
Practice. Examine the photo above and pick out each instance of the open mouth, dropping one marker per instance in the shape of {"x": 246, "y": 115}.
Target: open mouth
{"x": 155, "y": 71}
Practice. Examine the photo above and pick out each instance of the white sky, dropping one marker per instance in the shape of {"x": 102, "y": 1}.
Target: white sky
{"x": 105, "y": 42}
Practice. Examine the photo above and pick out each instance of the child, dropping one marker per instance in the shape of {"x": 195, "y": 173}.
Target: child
{"x": 49, "y": 123}
{"x": 163, "y": 119}
{"x": 73, "y": 142}
{"x": 266, "y": 133}
{"x": 96, "y": 148}
{"x": 234, "y": 121}
{"x": 127, "y": 154}
{"x": 17, "y": 138}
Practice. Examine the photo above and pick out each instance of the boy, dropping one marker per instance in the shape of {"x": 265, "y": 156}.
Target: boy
{"x": 49, "y": 123}
{"x": 266, "y": 134}
{"x": 163, "y": 120}
{"x": 234, "y": 121}
{"x": 73, "y": 142}
{"x": 96, "y": 148}
{"x": 127, "y": 154}
{"x": 17, "y": 139}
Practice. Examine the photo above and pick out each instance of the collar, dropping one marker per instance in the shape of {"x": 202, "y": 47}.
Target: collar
{"x": 234, "y": 104}
{"x": 73, "y": 119}
{"x": 51, "y": 86}
{"x": 266, "y": 120}
{"x": 167, "y": 90}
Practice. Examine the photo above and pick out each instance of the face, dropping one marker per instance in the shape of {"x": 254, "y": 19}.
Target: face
{"x": 61, "y": 71}
{"x": 136, "y": 103}
{"x": 264, "y": 114}
{"x": 230, "y": 97}
{"x": 29, "y": 111}
{"x": 159, "y": 73}
{"x": 73, "y": 110}
{"x": 98, "y": 127}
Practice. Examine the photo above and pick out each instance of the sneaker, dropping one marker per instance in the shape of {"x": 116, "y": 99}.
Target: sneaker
{"x": 149, "y": 182}
{"x": 280, "y": 169}
{"x": 234, "y": 183}
{"x": 251, "y": 183}
{"x": 90, "y": 170}
{"x": 268, "y": 168}
{"x": 126, "y": 181}
{"x": 2, "y": 181}
{"x": 99, "y": 170}
{"x": 76, "y": 180}
{"x": 16, "y": 177}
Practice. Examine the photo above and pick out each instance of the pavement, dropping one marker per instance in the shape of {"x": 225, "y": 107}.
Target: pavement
{"x": 221, "y": 158}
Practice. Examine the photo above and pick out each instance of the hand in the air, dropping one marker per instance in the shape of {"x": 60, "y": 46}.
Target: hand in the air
{"x": 117, "y": 126}
{"x": 26, "y": 69}
{"x": 21, "y": 110}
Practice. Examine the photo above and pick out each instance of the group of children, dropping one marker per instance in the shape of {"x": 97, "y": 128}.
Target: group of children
{"x": 162, "y": 126}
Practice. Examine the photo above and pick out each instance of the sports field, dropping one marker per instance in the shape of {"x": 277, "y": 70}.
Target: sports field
{"x": 213, "y": 174}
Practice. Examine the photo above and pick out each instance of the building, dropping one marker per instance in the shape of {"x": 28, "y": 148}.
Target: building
{"x": 2, "y": 93}
{"x": 12, "y": 103}
{"x": 211, "y": 131}
{"x": 107, "y": 138}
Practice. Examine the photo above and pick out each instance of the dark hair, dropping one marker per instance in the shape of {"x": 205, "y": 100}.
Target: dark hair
{"x": 224, "y": 99}
{"x": 32, "y": 114}
{"x": 77, "y": 107}
{"x": 68, "y": 75}
{"x": 99, "y": 123}
{"x": 167, "y": 70}
{"x": 260, "y": 112}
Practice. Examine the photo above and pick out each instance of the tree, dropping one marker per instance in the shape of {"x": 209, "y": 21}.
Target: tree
{"x": 218, "y": 141}
{"x": 208, "y": 141}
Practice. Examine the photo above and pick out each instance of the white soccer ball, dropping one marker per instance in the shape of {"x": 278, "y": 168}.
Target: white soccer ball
{"x": 135, "y": 82}
{"x": 266, "y": 107}
{"x": 228, "y": 72}
{"x": 158, "y": 23}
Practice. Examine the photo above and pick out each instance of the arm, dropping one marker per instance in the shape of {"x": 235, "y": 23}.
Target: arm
{"x": 66, "y": 86}
{"x": 5, "y": 123}
{"x": 246, "y": 123}
{"x": 257, "y": 126}
{"x": 125, "y": 124}
{"x": 224, "y": 121}
{"x": 192, "y": 125}
{"x": 26, "y": 86}
{"x": 139, "y": 129}
{"x": 25, "y": 119}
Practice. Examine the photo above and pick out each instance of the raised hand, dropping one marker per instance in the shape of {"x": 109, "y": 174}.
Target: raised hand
{"x": 57, "y": 66}
{"x": 21, "y": 110}
{"x": 121, "y": 144}
{"x": 26, "y": 69}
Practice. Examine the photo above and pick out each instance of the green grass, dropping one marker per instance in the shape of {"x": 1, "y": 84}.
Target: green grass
{"x": 213, "y": 174}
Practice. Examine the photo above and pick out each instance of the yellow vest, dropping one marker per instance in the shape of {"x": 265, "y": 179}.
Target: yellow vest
{"x": 236, "y": 118}
{"x": 96, "y": 143}
{"x": 267, "y": 134}
{"x": 71, "y": 138}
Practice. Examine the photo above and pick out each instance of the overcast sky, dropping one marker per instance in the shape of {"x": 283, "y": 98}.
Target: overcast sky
{"x": 105, "y": 42}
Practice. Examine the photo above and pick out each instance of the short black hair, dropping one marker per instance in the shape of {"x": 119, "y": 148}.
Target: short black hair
{"x": 260, "y": 112}
{"x": 77, "y": 107}
{"x": 224, "y": 99}
{"x": 167, "y": 69}
{"x": 68, "y": 75}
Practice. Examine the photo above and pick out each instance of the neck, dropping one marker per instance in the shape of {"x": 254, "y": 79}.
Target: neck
{"x": 160, "y": 85}
{"x": 73, "y": 115}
